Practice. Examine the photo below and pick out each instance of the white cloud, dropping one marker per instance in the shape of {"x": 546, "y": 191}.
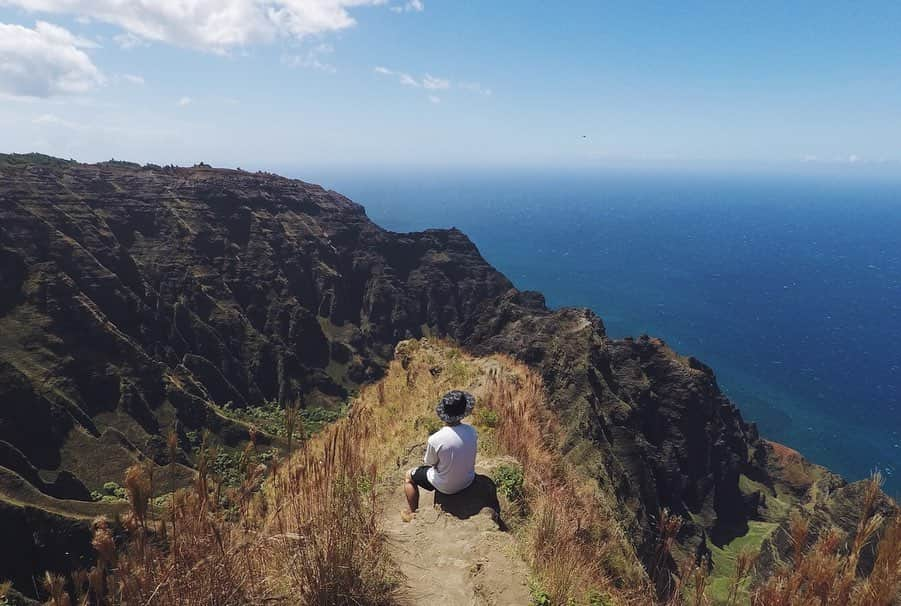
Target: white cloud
{"x": 408, "y": 80}
{"x": 427, "y": 82}
{"x": 434, "y": 99}
{"x": 415, "y": 6}
{"x": 212, "y": 25}
{"x": 311, "y": 59}
{"x": 432, "y": 83}
{"x": 133, "y": 79}
{"x": 185, "y": 101}
{"x": 45, "y": 61}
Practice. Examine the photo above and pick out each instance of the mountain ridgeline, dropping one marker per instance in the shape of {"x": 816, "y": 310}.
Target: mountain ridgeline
{"x": 138, "y": 300}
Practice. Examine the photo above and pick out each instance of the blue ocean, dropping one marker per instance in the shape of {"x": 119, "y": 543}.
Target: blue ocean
{"x": 789, "y": 287}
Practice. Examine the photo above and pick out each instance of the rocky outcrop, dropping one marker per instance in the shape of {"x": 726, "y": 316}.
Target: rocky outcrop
{"x": 135, "y": 300}
{"x": 650, "y": 425}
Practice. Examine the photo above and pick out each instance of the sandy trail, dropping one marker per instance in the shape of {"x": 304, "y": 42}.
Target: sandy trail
{"x": 455, "y": 553}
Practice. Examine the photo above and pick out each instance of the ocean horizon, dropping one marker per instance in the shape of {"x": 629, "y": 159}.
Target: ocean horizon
{"x": 789, "y": 288}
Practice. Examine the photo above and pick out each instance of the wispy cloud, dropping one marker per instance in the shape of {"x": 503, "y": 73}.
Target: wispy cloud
{"x": 133, "y": 79}
{"x": 185, "y": 101}
{"x": 412, "y": 6}
{"x": 311, "y": 59}
{"x": 430, "y": 82}
{"x": 435, "y": 99}
{"x": 402, "y": 77}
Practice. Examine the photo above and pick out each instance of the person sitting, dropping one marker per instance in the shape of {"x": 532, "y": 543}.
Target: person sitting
{"x": 450, "y": 454}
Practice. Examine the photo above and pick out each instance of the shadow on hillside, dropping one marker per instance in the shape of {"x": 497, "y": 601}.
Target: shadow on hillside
{"x": 481, "y": 494}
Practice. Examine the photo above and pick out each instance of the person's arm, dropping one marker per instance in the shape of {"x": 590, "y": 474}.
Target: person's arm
{"x": 431, "y": 454}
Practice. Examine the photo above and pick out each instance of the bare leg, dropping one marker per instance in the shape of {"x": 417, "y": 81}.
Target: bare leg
{"x": 411, "y": 491}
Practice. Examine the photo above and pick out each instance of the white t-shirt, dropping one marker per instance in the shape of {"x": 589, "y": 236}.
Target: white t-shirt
{"x": 451, "y": 452}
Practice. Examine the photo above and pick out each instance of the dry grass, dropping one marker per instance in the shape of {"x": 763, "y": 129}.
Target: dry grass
{"x": 309, "y": 536}
{"x": 573, "y": 543}
{"x": 309, "y": 533}
{"x": 827, "y": 573}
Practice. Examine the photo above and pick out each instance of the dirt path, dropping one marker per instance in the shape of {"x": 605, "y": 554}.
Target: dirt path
{"x": 454, "y": 553}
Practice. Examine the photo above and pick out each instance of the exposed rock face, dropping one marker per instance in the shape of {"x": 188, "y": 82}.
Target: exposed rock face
{"x": 134, "y": 300}
{"x": 651, "y": 426}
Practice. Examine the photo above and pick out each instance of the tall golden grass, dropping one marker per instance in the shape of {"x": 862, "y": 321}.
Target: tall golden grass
{"x": 308, "y": 533}
{"x": 309, "y": 536}
{"x": 573, "y": 543}
{"x": 828, "y": 572}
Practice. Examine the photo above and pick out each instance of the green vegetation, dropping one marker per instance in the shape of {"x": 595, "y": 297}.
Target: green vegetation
{"x": 276, "y": 420}
{"x": 486, "y": 417}
{"x": 598, "y": 598}
{"x": 778, "y": 505}
{"x": 509, "y": 480}
{"x": 33, "y": 159}
{"x": 110, "y": 493}
{"x": 538, "y": 595}
{"x": 724, "y": 561}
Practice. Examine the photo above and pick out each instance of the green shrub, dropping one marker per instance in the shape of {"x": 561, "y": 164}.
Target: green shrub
{"x": 486, "y": 417}
{"x": 227, "y": 467}
{"x": 509, "y": 480}
{"x": 597, "y": 598}
{"x": 110, "y": 492}
{"x": 537, "y": 594}
{"x": 270, "y": 418}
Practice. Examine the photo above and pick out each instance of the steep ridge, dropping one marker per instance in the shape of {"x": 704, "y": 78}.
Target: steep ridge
{"x": 136, "y": 300}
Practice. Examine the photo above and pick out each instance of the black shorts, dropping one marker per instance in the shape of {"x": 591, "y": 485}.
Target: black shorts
{"x": 421, "y": 478}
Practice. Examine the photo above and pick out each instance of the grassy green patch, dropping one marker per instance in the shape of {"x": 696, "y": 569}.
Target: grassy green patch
{"x": 273, "y": 419}
{"x": 778, "y": 506}
{"x": 724, "y": 561}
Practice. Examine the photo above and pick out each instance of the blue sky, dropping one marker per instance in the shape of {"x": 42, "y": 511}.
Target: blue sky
{"x": 378, "y": 84}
